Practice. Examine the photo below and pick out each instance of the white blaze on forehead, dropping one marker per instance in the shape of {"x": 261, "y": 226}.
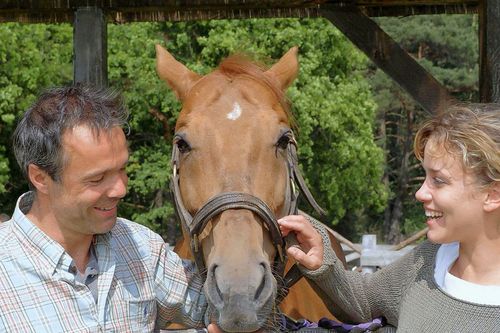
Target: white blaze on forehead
{"x": 236, "y": 113}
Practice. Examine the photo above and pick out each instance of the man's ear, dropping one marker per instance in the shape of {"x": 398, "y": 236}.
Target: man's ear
{"x": 492, "y": 201}
{"x": 38, "y": 178}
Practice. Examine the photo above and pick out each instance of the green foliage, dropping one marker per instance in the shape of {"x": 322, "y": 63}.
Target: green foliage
{"x": 447, "y": 46}
{"x": 331, "y": 102}
{"x": 32, "y": 57}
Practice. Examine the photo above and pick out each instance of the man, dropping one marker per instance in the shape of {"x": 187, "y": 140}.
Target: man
{"x": 67, "y": 262}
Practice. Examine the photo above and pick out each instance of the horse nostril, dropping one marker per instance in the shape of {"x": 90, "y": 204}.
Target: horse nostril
{"x": 212, "y": 272}
{"x": 262, "y": 283}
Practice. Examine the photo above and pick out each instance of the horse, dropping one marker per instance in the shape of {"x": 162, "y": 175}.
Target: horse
{"x": 234, "y": 173}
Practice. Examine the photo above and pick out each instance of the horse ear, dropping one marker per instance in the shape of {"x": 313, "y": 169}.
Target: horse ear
{"x": 286, "y": 69}
{"x": 175, "y": 74}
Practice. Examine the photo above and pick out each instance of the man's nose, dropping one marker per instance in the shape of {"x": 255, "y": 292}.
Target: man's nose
{"x": 119, "y": 187}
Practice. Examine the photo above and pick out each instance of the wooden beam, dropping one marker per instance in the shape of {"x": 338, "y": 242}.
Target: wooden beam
{"x": 489, "y": 51}
{"x": 121, "y": 11}
{"x": 390, "y": 57}
{"x": 90, "y": 47}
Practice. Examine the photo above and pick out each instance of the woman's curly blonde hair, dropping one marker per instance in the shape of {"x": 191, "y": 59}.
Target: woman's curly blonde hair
{"x": 471, "y": 131}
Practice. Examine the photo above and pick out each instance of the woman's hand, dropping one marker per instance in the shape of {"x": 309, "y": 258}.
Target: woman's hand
{"x": 310, "y": 253}
{"x": 212, "y": 328}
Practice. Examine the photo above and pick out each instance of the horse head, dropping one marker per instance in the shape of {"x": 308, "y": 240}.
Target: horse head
{"x": 232, "y": 179}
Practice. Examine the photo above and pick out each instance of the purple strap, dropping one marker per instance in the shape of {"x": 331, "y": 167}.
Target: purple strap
{"x": 289, "y": 324}
{"x": 362, "y": 327}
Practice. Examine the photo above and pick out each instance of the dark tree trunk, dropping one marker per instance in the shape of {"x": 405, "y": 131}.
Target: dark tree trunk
{"x": 169, "y": 224}
{"x": 395, "y": 210}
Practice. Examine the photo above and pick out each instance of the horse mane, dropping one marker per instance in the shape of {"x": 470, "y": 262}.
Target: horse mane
{"x": 240, "y": 65}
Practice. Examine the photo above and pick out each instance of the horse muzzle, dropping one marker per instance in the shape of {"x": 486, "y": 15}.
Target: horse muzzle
{"x": 243, "y": 299}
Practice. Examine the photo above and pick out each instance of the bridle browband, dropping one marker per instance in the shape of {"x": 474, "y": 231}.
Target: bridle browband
{"x": 195, "y": 225}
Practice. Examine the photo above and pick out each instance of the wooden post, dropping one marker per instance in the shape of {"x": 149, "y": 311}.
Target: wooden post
{"x": 390, "y": 57}
{"x": 90, "y": 47}
{"x": 374, "y": 256}
{"x": 369, "y": 243}
{"x": 411, "y": 239}
{"x": 489, "y": 51}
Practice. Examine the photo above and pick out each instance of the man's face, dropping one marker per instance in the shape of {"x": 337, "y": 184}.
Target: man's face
{"x": 93, "y": 180}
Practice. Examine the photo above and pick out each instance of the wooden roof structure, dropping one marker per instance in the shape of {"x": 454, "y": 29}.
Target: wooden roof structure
{"x": 122, "y": 11}
{"x": 352, "y": 17}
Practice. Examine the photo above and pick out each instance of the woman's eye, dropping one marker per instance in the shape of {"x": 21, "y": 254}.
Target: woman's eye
{"x": 438, "y": 181}
{"x": 183, "y": 146}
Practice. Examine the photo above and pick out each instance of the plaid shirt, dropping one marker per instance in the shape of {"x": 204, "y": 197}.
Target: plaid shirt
{"x": 142, "y": 285}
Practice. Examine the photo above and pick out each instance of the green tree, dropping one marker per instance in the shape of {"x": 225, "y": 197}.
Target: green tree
{"x": 332, "y": 104}
{"x": 31, "y": 57}
{"x": 446, "y": 45}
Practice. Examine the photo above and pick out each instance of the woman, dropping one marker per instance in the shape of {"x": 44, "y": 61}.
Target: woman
{"x": 450, "y": 283}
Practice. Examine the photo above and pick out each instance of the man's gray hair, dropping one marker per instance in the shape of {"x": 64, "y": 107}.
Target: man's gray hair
{"x": 38, "y": 136}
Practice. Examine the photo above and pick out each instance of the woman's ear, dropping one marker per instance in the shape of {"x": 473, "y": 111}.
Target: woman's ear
{"x": 492, "y": 201}
{"x": 38, "y": 178}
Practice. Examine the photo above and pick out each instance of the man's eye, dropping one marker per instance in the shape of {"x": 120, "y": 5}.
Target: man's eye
{"x": 96, "y": 180}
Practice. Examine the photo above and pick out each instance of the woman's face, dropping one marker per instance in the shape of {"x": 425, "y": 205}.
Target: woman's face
{"x": 452, "y": 201}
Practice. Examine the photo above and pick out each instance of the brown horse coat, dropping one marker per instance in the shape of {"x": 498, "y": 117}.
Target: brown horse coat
{"x": 232, "y": 134}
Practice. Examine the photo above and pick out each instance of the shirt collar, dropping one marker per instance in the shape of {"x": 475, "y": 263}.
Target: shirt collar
{"x": 45, "y": 246}
{"x": 92, "y": 266}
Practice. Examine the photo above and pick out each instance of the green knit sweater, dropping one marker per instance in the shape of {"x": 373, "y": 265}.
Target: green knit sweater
{"x": 404, "y": 292}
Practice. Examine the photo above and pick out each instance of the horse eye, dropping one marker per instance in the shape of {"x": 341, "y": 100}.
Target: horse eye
{"x": 183, "y": 146}
{"x": 283, "y": 141}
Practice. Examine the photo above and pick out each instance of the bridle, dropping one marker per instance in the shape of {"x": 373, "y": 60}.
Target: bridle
{"x": 195, "y": 225}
